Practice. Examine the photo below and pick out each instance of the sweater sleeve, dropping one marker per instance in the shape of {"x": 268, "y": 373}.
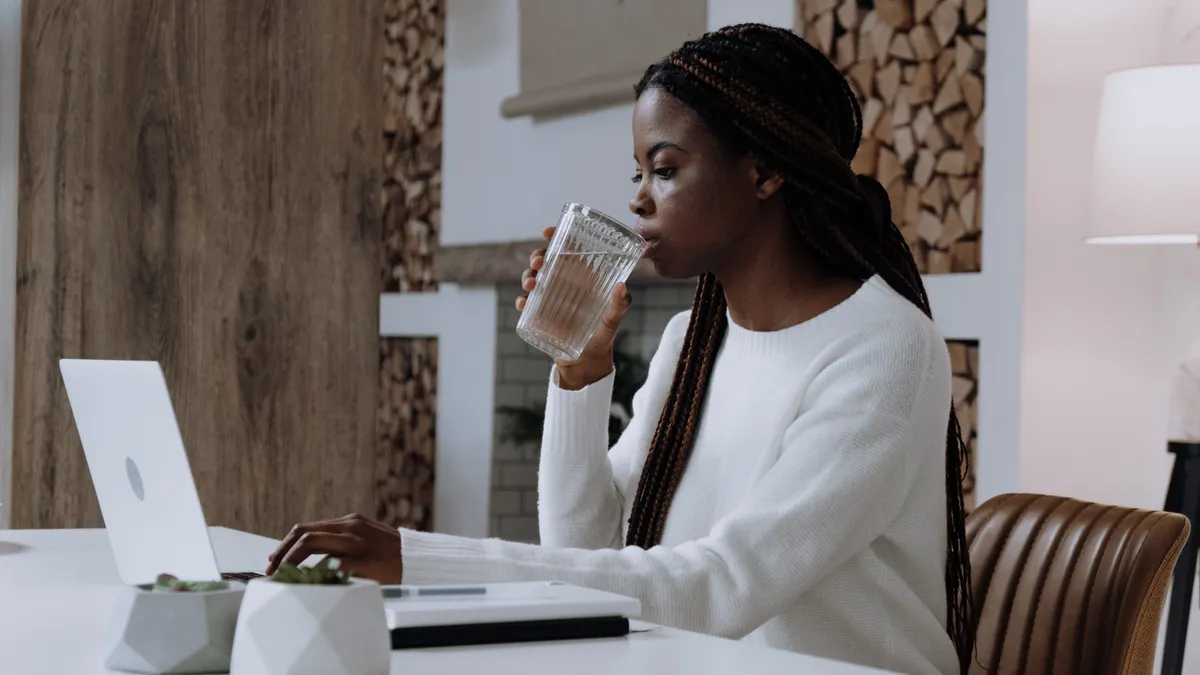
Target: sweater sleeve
{"x": 583, "y": 487}
{"x": 848, "y": 463}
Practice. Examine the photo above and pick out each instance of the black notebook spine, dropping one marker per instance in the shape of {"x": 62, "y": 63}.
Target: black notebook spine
{"x": 416, "y": 637}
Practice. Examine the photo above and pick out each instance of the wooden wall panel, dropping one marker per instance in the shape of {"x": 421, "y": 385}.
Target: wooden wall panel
{"x": 414, "y": 57}
{"x": 918, "y": 68}
{"x": 199, "y": 185}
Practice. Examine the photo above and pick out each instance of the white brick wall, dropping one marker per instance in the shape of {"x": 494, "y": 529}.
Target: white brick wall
{"x": 522, "y": 374}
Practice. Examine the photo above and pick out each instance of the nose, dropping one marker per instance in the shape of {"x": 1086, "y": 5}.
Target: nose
{"x": 641, "y": 205}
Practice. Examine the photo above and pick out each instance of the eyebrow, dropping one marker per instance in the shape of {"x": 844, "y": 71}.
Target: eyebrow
{"x": 659, "y": 147}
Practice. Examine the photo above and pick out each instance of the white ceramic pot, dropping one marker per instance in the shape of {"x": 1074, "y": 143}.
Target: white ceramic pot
{"x": 298, "y": 629}
{"x": 184, "y": 632}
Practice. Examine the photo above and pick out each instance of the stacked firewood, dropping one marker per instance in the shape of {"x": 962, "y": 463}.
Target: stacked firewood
{"x": 918, "y": 68}
{"x": 413, "y": 61}
{"x": 964, "y": 363}
{"x": 405, "y": 451}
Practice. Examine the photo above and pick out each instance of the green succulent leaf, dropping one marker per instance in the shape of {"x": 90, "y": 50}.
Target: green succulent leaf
{"x": 167, "y": 583}
{"x": 327, "y": 572}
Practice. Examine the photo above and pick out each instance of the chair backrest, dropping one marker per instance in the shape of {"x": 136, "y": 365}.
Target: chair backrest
{"x": 1064, "y": 586}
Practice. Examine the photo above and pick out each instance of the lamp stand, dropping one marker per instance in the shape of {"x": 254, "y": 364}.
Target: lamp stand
{"x": 1183, "y": 497}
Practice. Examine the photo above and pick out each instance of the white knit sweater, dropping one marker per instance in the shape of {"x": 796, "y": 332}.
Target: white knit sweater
{"x": 811, "y": 516}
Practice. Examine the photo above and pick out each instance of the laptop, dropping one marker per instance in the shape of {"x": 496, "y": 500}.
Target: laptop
{"x": 140, "y": 470}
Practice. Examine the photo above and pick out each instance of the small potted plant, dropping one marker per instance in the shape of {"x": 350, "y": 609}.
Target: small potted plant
{"x": 311, "y": 620}
{"x": 174, "y": 626}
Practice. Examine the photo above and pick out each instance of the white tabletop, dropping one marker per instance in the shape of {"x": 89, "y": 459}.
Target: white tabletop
{"x": 57, "y": 588}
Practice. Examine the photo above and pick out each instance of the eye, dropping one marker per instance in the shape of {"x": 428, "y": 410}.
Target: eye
{"x": 637, "y": 177}
{"x": 664, "y": 173}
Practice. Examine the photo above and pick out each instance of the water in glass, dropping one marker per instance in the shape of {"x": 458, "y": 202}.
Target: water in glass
{"x": 588, "y": 256}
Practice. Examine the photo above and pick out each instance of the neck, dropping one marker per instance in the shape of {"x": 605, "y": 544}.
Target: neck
{"x": 777, "y": 282}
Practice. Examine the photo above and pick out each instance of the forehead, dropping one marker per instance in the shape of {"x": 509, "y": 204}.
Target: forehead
{"x": 658, "y": 116}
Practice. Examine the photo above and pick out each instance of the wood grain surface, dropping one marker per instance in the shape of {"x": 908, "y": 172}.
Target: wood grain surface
{"x": 199, "y": 185}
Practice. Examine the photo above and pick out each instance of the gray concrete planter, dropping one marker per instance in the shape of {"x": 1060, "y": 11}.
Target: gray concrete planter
{"x": 181, "y": 632}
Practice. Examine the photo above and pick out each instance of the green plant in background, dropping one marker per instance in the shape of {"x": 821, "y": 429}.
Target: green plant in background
{"x": 525, "y": 422}
{"x": 166, "y": 583}
{"x": 325, "y": 573}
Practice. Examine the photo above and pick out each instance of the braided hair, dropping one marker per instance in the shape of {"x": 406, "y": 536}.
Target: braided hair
{"x": 768, "y": 93}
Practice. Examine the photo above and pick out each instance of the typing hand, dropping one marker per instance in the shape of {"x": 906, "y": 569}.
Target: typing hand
{"x": 365, "y": 548}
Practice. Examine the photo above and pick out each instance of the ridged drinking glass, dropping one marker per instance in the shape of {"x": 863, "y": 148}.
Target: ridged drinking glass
{"x": 589, "y": 254}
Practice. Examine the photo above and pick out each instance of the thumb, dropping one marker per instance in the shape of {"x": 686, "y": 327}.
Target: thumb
{"x": 618, "y": 307}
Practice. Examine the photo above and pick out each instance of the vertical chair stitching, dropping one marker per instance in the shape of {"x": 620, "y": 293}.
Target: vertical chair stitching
{"x": 1130, "y": 556}
{"x": 990, "y": 510}
{"x": 1061, "y": 599}
{"x": 1020, "y": 568}
{"x": 1090, "y": 575}
{"x": 1113, "y": 596}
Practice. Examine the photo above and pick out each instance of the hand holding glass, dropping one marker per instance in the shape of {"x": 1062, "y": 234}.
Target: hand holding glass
{"x": 588, "y": 255}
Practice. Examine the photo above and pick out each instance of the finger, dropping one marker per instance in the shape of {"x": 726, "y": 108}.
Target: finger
{"x": 361, "y": 525}
{"x": 548, "y": 233}
{"x": 298, "y": 531}
{"x": 538, "y": 262}
{"x": 618, "y": 306}
{"x": 540, "y": 253}
{"x": 325, "y": 543}
{"x": 521, "y": 303}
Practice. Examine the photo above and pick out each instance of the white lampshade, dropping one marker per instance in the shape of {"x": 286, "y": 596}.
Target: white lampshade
{"x": 1146, "y": 181}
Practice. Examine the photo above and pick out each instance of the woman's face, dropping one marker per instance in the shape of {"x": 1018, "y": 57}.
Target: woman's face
{"x": 696, "y": 201}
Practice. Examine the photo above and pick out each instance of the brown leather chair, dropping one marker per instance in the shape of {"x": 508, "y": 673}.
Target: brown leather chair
{"x": 1069, "y": 587}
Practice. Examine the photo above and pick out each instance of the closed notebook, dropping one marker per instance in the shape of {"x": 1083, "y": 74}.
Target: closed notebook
{"x": 503, "y": 603}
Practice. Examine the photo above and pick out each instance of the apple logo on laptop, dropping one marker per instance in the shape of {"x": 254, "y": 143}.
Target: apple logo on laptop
{"x": 135, "y": 479}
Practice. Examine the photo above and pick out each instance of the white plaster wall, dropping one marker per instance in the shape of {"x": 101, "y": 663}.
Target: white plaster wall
{"x": 1092, "y": 401}
{"x": 10, "y": 71}
{"x": 505, "y": 180}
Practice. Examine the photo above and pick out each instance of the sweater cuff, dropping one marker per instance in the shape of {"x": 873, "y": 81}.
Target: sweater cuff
{"x": 431, "y": 558}
{"x": 580, "y": 416}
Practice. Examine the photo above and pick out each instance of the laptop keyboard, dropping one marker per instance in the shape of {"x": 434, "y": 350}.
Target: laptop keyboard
{"x": 240, "y": 576}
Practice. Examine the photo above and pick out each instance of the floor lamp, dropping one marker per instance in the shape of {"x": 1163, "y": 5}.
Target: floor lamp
{"x": 1146, "y": 190}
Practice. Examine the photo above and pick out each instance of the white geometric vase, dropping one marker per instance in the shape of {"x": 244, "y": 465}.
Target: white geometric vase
{"x": 173, "y": 632}
{"x": 311, "y": 629}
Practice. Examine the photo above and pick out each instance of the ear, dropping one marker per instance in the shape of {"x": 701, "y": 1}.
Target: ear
{"x": 767, "y": 181}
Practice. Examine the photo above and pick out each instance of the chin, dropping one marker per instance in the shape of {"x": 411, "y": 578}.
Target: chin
{"x": 669, "y": 269}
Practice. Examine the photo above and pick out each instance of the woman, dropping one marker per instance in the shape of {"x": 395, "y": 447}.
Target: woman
{"x": 791, "y": 471}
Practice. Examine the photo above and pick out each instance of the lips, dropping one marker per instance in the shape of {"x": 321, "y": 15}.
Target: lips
{"x": 651, "y": 235}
